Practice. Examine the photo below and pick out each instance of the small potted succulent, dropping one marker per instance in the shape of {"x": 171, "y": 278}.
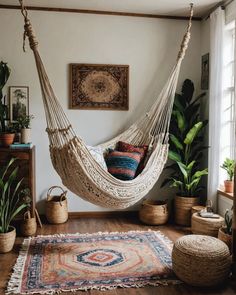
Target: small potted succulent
{"x": 225, "y": 232}
{"x": 228, "y": 166}
{"x": 24, "y": 125}
{"x": 10, "y": 205}
{"x": 6, "y": 134}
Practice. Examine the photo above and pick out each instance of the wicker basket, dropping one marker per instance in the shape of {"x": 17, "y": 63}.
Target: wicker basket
{"x": 28, "y": 225}
{"x": 196, "y": 209}
{"x": 7, "y": 240}
{"x": 154, "y": 212}
{"x": 227, "y": 239}
{"x": 206, "y": 226}
{"x": 201, "y": 260}
{"x": 183, "y": 206}
{"x": 56, "y": 206}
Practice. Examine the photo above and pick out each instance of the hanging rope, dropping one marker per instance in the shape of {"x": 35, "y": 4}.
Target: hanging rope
{"x": 28, "y": 29}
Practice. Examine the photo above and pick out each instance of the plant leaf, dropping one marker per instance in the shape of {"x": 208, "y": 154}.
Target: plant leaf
{"x": 174, "y": 156}
{"x": 183, "y": 169}
{"x": 199, "y": 174}
{"x": 193, "y": 132}
{"x": 176, "y": 142}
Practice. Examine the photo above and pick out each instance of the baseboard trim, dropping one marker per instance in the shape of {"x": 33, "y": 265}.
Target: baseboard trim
{"x": 102, "y": 214}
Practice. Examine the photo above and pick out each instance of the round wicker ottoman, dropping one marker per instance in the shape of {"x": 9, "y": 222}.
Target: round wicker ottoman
{"x": 201, "y": 260}
{"x": 206, "y": 226}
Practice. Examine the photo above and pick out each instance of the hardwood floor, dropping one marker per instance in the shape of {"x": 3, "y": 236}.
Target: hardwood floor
{"x": 90, "y": 225}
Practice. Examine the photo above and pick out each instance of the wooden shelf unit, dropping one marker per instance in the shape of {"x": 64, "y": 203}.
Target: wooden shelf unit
{"x": 25, "y": 160}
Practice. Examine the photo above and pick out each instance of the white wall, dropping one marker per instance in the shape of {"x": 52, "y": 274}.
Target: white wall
{"x": 230, "y": 12}
{"x": 149, "y": 46}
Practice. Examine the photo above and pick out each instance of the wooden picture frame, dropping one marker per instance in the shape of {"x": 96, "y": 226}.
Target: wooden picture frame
{"x": 18, "y": 102}
{"x": 99, "y": 87}
{"x": 205, "y": 71}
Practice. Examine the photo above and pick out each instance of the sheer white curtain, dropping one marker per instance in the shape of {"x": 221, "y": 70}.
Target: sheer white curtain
{"x": 217, "y": 22}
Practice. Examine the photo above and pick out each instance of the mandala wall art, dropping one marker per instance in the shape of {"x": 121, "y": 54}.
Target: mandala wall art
{"x": 104, "y": 87}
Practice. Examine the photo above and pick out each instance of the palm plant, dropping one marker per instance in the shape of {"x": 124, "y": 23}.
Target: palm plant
{"x": 186, "y": 147}
{"x": 10, "y": 203}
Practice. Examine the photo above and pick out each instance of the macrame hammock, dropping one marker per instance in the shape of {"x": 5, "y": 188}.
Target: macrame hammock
{"x": 78, "y": 170}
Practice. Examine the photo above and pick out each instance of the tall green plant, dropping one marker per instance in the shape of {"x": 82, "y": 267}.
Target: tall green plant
{"x": 4, "y": 75}
{"x": 186, "y": 143}
{"x": 10, "y": 203}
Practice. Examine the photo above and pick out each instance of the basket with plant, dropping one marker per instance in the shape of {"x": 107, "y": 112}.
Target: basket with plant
{"x": 186, "y": 151}
{"x": 225, "y": 232}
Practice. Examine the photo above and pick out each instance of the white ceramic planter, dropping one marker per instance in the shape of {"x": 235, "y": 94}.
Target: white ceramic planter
{"x": 25, "y": 135}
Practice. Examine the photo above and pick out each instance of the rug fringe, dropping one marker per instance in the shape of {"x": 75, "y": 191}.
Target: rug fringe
{"x": 14, "y": 283}
{"x": 104, "y": 233}
{"x": 102, "y": 288}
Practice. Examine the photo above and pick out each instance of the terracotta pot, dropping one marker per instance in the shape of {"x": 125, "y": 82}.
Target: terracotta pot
{"x": 226, "y": 238}
{"x": 25, "y": 135}
{"x": 28, "y": 225}
{"x": 6, "y": 139}
{"x": 154, "y": 212}
{"x": 183, "y": 207}
{"x": 7, "y": 240}
{"x": 229, "y": 186}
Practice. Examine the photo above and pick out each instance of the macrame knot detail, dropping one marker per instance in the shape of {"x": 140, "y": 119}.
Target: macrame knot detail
{"x": 184, "y": 45}
{"x": 29, "y": 32}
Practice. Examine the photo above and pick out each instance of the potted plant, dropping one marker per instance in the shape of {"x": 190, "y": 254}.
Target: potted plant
{"x": 186, "y": 151}
{"x": 10, "y": 205}
{"x": 228, "y": 166}
{"x": 6, "y": 134}
{"x": 225, "y": 232}
{"x": 24, "y": 125}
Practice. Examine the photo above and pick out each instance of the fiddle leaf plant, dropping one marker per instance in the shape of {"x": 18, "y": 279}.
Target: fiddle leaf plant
{"x": 186, "y": 147}
{"x": 10, "y": 202}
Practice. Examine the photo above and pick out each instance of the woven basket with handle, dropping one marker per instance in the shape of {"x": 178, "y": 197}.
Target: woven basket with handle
{"x": 28, "y": 225}
{"x": 154, "y": 212}
{"x": 56, "y": 206}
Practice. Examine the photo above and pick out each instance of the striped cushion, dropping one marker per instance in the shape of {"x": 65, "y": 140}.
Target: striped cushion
{"x": 142, "y": 149}
{"x": 123, "y": 165}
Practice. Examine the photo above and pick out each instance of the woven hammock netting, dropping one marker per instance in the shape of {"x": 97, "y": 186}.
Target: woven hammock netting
{"x": 78, "y": 170}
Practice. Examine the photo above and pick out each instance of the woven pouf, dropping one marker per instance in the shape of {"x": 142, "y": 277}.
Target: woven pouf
{"x": 206, "y": 226}
{"x": 201, "y": 260}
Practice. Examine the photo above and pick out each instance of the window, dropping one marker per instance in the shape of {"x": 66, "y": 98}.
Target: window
{"x": 227, "y": 132}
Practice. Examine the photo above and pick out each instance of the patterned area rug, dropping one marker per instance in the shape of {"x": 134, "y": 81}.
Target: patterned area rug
{"x": 102, "y": 261}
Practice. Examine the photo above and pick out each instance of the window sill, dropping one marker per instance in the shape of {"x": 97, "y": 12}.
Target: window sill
{"x": 221, "y": 192}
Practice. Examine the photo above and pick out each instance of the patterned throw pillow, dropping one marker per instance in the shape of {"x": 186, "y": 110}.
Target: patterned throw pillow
{"x": 97, "y": 154}
{"x": 123, "y": 165}
{"x": 142, "y": 149}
